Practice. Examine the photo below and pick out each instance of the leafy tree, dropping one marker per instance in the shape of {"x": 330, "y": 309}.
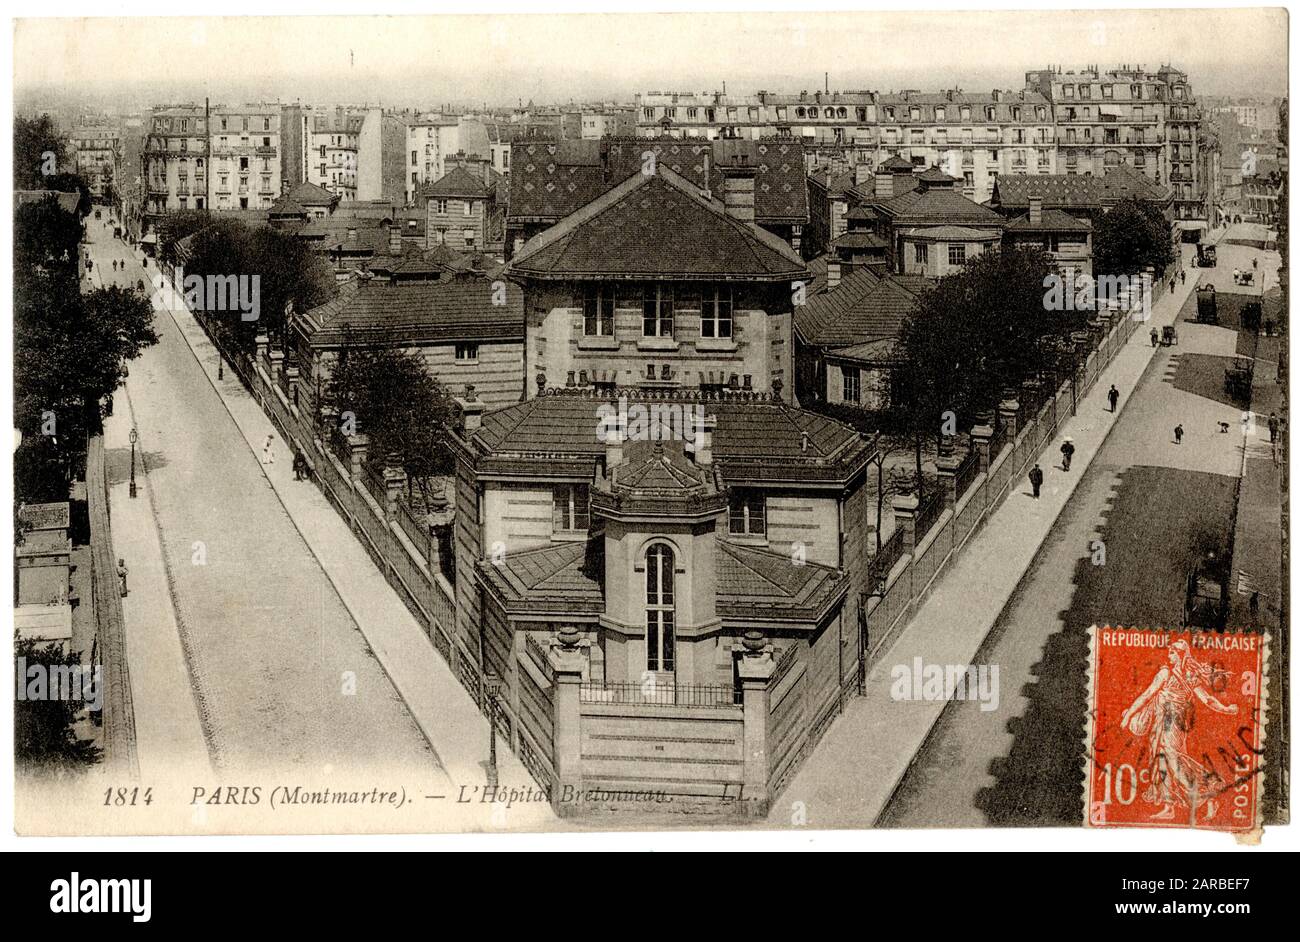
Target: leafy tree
{"x": 43, "y": 735}
{"x": 39, "y": 151}
{"x": 400, "y": 407}
{"x": 286, "y": 268}
{"x": 46, "y": 236}
{"x": 70, "y": 352}
{"x": 174, "y": 227}
{"x": 973, "y": 334}
{"x": 69, "y": 183}
{"x": 1131, "y": 237}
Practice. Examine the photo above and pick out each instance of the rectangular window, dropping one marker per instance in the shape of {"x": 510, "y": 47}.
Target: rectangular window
{"x": 570, "y": 508}
{"x": 747, "y": 512}
{"x": 922, "y": 251}
{"x": 657, "y": 311}
{"x": 852, "y": 383}
{"x": 957, "y": 253}
{"x": 466, "y": 352}
{"x": 715, "y": 313}
{"x": 598, "y": 311}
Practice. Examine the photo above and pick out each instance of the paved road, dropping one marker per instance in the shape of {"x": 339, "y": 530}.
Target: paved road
{"x": 281, "y": 675}
{"x": 1150, "y": 502}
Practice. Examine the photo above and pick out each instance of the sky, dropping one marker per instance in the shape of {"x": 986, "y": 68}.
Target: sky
{"x": 423, "y": 61}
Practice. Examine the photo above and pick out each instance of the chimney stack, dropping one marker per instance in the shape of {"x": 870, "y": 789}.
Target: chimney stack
{"x": 395, "y": 238}
{"x": 704, "y": 441}
{"x": 1035, "y": 210}
{"x": 884, "y": 184}
{"x": 738, "y": 189}
{"x": 832, "y": 274}
{"x": 861, "y": 173}
{"x": 472, "y": 409}
{"x": 613, "y": 448}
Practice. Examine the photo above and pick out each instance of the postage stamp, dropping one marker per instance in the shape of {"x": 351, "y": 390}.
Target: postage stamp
{"x": 1175, "y": 728}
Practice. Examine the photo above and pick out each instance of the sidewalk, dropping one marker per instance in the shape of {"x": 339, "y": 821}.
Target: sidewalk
{"x": 169, "y": 731}
{"x": 1257, "y": 549}
{"x": 455, "y": 729}
{"x": 851, "y": 776}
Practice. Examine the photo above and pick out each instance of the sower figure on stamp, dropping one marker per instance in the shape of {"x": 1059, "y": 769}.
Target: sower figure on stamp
{"x": 1164, "y": 713}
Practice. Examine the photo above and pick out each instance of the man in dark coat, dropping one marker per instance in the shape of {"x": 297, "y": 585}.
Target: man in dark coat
{"x": 1113, "y": 396}
{"x": 1067, "y": 452}
{"x": 1036, "y": 479}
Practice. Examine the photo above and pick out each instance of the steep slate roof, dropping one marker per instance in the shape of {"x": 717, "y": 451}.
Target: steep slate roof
{"x": 412, "y": 312}
{"x": 1054, "y": 220}
{"x": 934, "y": 175}
{"x": 1072, "y": 192}
{"x": 937, "y": 207}
{"x": 865, "y": 306}
{"x": 897, "y": 163}
{"x": 309, "y": 194}
{"x": 756, "y": 438}
{"x": 859, "y": 240}
{"x": 568, "y": 578}
{"x": 456, "y": 182}
{"x": 565, "y": 578}
{"x": 758, "y": 583}
{"x": 551, "y": 179}
{"x": 657, "y": 226}
{"x": 287, "y": 206}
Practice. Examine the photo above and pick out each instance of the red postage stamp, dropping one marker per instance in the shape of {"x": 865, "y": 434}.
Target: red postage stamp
{"x": 1175, "y": 728}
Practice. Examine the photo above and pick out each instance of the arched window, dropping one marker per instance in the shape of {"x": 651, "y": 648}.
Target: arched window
{"x": 660, "y": 608}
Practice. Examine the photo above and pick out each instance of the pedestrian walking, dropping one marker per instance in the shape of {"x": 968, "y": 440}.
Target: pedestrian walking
{"x": 1272, "y": 426}
{"x": 1036, "y": 479}
{"x": 1178, "y": 434}
{"x": 121, "y": 577}
{"x": 1067, "y": 452}
{"x": 1113, "y": 396}
{"x": 1182, "y": 277}
{"x": 268, "y": 456}
{"x": 299, "y": 466}
{"x": 1155, "y": 337}
{"x": 1254, "y": 263}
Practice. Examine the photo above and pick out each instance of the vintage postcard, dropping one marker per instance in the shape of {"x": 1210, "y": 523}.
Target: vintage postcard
{"x": 763, "y": 421}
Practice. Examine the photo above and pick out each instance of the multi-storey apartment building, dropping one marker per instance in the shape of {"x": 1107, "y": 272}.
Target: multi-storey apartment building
{"x": 245, "y": 156}
{"x": 432, "y": 138}
{"x": 1129, "y": 116}
{"x": 175, "y": 162}
{"x": 332, "y": 148}
{"x": 97, "y": 156}
{"x": 1060, "y": 122}
{"x": 973, "y": 136}
{"x": 196, "y": 157}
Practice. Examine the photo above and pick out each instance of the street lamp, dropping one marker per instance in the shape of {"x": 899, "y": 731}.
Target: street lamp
{"x": 134, "y": 437}
{"x": 492, "y": 687}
